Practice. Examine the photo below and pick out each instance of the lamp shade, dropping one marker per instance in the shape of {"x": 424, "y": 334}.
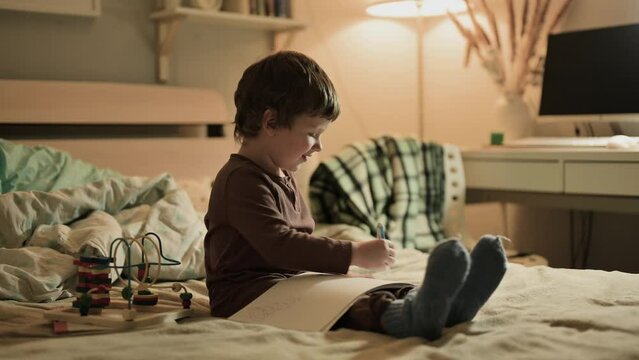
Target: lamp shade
{"x": 415, "y": 8}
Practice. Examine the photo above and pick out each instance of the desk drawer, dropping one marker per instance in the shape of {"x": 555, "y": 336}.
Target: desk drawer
{"x": 602, "y": 178}
{"x": 519, "y": 175}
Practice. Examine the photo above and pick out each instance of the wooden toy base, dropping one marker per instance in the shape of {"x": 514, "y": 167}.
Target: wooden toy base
{"x": 112, "y": 316}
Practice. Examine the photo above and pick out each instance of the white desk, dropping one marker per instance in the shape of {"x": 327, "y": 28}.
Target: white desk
{"x": 596, "y": 179}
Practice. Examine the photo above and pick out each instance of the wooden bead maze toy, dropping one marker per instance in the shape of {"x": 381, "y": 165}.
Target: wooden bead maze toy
{"x": 94, "y": 278}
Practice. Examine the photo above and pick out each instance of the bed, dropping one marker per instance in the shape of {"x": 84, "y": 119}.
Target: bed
{"x": 537, "y": 312}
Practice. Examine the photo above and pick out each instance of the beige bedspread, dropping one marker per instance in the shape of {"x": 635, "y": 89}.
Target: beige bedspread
{"x": 536, "y": 313}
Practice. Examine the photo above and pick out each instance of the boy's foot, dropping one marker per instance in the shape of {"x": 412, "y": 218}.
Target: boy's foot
{"x": 488, "y": 266}
{"x": 425, "y": 313}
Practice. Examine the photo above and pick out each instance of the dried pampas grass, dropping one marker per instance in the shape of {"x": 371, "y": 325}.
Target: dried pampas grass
{"x": 520, "y": 63}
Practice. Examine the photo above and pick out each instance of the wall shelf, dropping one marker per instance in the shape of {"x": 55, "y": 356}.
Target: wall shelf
{"x": 168, "y": 19}
{"x": 225, "y": 18}
{"x": 88, "y": 8}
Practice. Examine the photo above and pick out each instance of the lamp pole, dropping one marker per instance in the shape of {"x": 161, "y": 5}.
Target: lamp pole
{"x": 420, "y": 70}
{"x": 422, "y": 9}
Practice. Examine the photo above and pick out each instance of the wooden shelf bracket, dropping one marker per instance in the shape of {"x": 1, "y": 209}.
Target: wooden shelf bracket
{"x": 166, "y": 37}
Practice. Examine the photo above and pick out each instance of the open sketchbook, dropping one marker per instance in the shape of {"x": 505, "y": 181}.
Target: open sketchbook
{"x": 309, "y": 301}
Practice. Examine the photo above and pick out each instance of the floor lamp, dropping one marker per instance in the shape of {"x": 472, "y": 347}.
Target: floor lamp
{"x": 418, "y": 10}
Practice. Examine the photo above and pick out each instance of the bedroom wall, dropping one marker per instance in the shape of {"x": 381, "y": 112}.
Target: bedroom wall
{"x": 372, "y": 63}
{"x": 116, "y": 46}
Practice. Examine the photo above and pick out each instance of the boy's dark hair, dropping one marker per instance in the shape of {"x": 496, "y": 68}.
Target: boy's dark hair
{"x": 287, "y": 82}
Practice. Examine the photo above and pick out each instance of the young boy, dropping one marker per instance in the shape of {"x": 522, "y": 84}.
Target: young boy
{"x": 260, "y": 229}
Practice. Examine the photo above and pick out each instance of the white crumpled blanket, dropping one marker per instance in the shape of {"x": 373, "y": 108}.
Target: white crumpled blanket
{"x": 41, "y": 232}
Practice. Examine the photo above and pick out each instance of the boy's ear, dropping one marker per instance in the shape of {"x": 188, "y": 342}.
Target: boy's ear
{"x": 269, "y": 121}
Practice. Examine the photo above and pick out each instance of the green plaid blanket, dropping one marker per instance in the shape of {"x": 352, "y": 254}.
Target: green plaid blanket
{"x": 398, "y": 182}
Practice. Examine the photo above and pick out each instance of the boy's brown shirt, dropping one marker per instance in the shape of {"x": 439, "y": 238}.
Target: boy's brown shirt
{"x": 259, "y": 232}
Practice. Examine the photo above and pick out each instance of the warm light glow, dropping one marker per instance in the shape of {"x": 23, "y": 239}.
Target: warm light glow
{"x": 415, "y": 8}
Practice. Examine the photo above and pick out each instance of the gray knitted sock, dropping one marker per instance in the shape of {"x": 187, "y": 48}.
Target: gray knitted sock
{"x": 488, "y": 266}
{"x": 425, "y": 313}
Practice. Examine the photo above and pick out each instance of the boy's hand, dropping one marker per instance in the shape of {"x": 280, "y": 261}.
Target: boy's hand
{"x": 373, "y": 254}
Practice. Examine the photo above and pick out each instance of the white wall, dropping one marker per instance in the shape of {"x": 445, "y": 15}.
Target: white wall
{"x": 373, "y": 64}
{"x": 117, "y": 46}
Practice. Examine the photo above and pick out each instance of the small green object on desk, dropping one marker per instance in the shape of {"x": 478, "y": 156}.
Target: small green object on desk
{"x": 496, "y": 138}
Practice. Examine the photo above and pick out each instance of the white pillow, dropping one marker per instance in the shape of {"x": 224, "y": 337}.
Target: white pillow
{"x": 199, "y": 191}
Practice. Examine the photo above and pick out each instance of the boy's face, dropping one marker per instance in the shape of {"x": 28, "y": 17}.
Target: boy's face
{"x": 293, "y": 147}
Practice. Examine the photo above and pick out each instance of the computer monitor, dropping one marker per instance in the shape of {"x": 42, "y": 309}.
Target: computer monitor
{"x": 592, "y": 75}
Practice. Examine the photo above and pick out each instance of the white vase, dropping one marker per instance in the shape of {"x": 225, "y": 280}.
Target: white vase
{"x": 514, "y": 117}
